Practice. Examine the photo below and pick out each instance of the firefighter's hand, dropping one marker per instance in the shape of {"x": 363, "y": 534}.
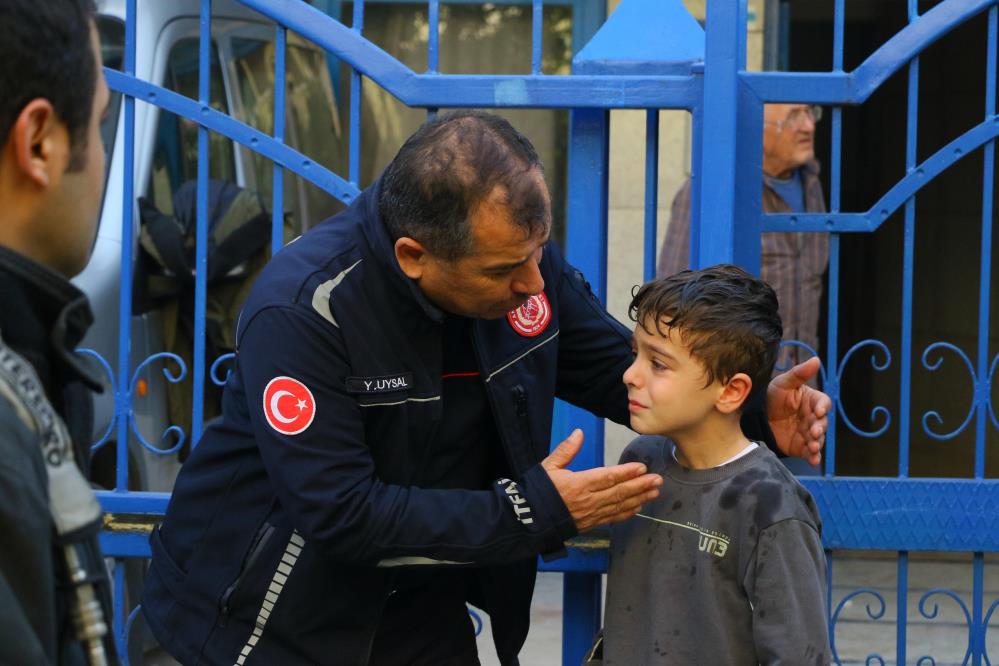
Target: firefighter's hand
{"x": 601, "y": 495}
{"x": 798, "y": 414}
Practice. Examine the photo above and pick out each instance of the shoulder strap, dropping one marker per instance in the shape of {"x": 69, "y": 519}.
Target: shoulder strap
{"x": 75, "y": 510}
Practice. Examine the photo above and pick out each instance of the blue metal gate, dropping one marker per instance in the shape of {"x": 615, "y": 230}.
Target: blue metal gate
{"x": 627, "y": 64}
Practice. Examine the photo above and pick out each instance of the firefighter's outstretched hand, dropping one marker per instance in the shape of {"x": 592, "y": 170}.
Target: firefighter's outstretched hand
{"x": 799, "y": 414}
{"x": 602, "y": 495}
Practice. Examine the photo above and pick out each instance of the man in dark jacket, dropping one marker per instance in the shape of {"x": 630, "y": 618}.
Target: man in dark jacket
{"x": 383, "y": 453}
{"x": 53, "y": 586}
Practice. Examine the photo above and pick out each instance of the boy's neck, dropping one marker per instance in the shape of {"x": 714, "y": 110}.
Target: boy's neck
{"x": 716, "y": 441}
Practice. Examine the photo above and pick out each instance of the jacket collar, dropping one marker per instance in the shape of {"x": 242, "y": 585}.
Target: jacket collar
{"x": 383, "y": 249}
{"x": 811, "y": 169}
{"x": 43, "y": 317}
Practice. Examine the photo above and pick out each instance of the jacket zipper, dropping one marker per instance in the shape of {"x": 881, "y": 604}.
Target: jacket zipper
{"x": 494, "y": 409}
{"x": 520, "y": 400}
{"x": 257, "y": 547}
{"x": 381, "y": 614}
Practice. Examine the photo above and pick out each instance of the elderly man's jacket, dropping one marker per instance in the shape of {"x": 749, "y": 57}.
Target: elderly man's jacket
{"x": 792, "y": 263}
{"x": 293, "y": 515}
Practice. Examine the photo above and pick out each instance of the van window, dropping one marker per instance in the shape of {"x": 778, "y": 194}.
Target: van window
{"x": 312, "y": 124}
{"x": 478, "y": 39}
{"x": 175, "y": 157}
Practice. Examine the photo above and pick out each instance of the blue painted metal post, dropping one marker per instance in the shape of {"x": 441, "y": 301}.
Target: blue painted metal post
{"x": 537, "y": 22}
{"x": 908, "y": 262}
{"x": 831, "y": 384}
{"x": 730, "y": 227}
{"x": 277, "y": 182}
{"x": 354, "y": 146}
{"x": 123, "y": 398}
{"x": 433, "y": 46}
{"x": 985, "y": 261}
{"x": 832, "y": 337}
{"x": 333, "y": 9}
{"x": 201, "y": 229}
{"x": 651, "y": 191}
{"x": 982, "y": 388}
{"x": 748, "y": 212}
{"x": 123, "y": 395}
{"x": 696, "y": 154}
{"x": 586, "y": 248}
{"x": 587, "y": 17}
{"x": 433, "y": 36}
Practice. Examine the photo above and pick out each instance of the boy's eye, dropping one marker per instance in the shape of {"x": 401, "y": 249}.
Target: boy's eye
{"x": 658, "y": 365}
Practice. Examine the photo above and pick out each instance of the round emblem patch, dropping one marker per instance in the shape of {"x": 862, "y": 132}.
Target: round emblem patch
{"x": 288, "y": 405}
{"x": 532, "y": 317}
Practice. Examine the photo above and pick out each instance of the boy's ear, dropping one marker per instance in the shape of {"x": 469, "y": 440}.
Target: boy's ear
{"x": 734, "y": 393}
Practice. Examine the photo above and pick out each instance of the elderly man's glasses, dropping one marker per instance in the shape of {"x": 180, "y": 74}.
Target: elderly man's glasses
{"x": 796, "y": 118}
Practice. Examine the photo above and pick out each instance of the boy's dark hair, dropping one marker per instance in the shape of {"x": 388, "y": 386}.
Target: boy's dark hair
{"x": 727, "y": 318}
{"x": 45, "y": 52}
{"x": 447, "y": 168}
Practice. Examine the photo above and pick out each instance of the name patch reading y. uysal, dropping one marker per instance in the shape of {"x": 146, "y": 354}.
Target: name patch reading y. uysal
{"x": 383, "y": 384}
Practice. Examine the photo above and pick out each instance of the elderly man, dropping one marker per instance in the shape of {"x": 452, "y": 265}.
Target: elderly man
{"x": 383, "y": 453}
{"x": 793, "y": 263}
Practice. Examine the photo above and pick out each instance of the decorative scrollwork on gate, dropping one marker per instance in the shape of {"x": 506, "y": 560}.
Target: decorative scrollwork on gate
{"x": 796, "y": 344}
{"x": 123, "y": 643}
{"x": 880, "y": 367}
{"x": 871, "y": 613}
{"x": 985, "y": 628}
{"x": 173, "y": 379}
{"x": 217, "y": 365}
{"x": 930, "y": 364}
{"x": 932, "y": 613}
{"x": 991, "y": 408}
{"x": 110, "y": 373}
{"x": 981, "y": 392}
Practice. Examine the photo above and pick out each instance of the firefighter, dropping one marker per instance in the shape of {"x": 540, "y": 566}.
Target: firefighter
{"x": 383, "y": 453}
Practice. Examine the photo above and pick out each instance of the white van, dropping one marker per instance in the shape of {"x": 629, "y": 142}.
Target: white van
{"x": 242, "y": 85}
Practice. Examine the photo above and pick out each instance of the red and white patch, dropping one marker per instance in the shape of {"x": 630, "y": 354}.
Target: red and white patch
{"x": 532, "y": 317}
{"x": 288, "y": 405}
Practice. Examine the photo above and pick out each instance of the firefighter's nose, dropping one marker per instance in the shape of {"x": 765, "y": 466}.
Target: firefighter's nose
{"x": 528, "y": 280}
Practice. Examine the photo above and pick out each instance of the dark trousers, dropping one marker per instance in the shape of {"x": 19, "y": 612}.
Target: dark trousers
{"x": 426, "y": 623}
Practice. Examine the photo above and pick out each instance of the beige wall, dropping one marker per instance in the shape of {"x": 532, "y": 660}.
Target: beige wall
{"x": 626, "y": 198}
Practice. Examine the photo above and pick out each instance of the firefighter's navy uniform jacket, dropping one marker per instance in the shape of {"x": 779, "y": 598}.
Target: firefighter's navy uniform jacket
{"x": 291, "y": 521}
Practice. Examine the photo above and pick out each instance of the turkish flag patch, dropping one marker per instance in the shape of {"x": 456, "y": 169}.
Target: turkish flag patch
{"x": 532, "y": 317}
{"x": 288, "y": 405}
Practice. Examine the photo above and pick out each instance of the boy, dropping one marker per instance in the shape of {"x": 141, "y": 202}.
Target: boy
{"x": 726, "y": 566}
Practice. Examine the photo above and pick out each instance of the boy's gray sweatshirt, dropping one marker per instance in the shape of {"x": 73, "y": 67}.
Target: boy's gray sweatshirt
{"x": 725, "y": 567}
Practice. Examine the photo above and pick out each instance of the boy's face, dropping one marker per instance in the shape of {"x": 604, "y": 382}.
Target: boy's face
{"x": 666, "y": 391}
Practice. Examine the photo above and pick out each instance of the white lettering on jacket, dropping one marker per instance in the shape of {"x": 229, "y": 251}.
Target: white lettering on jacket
{"x": 385, "y": 384}
{"x": 519, "y": 503}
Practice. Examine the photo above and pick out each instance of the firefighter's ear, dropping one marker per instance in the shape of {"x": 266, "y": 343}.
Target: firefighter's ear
{"x": 412, "y": 257}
